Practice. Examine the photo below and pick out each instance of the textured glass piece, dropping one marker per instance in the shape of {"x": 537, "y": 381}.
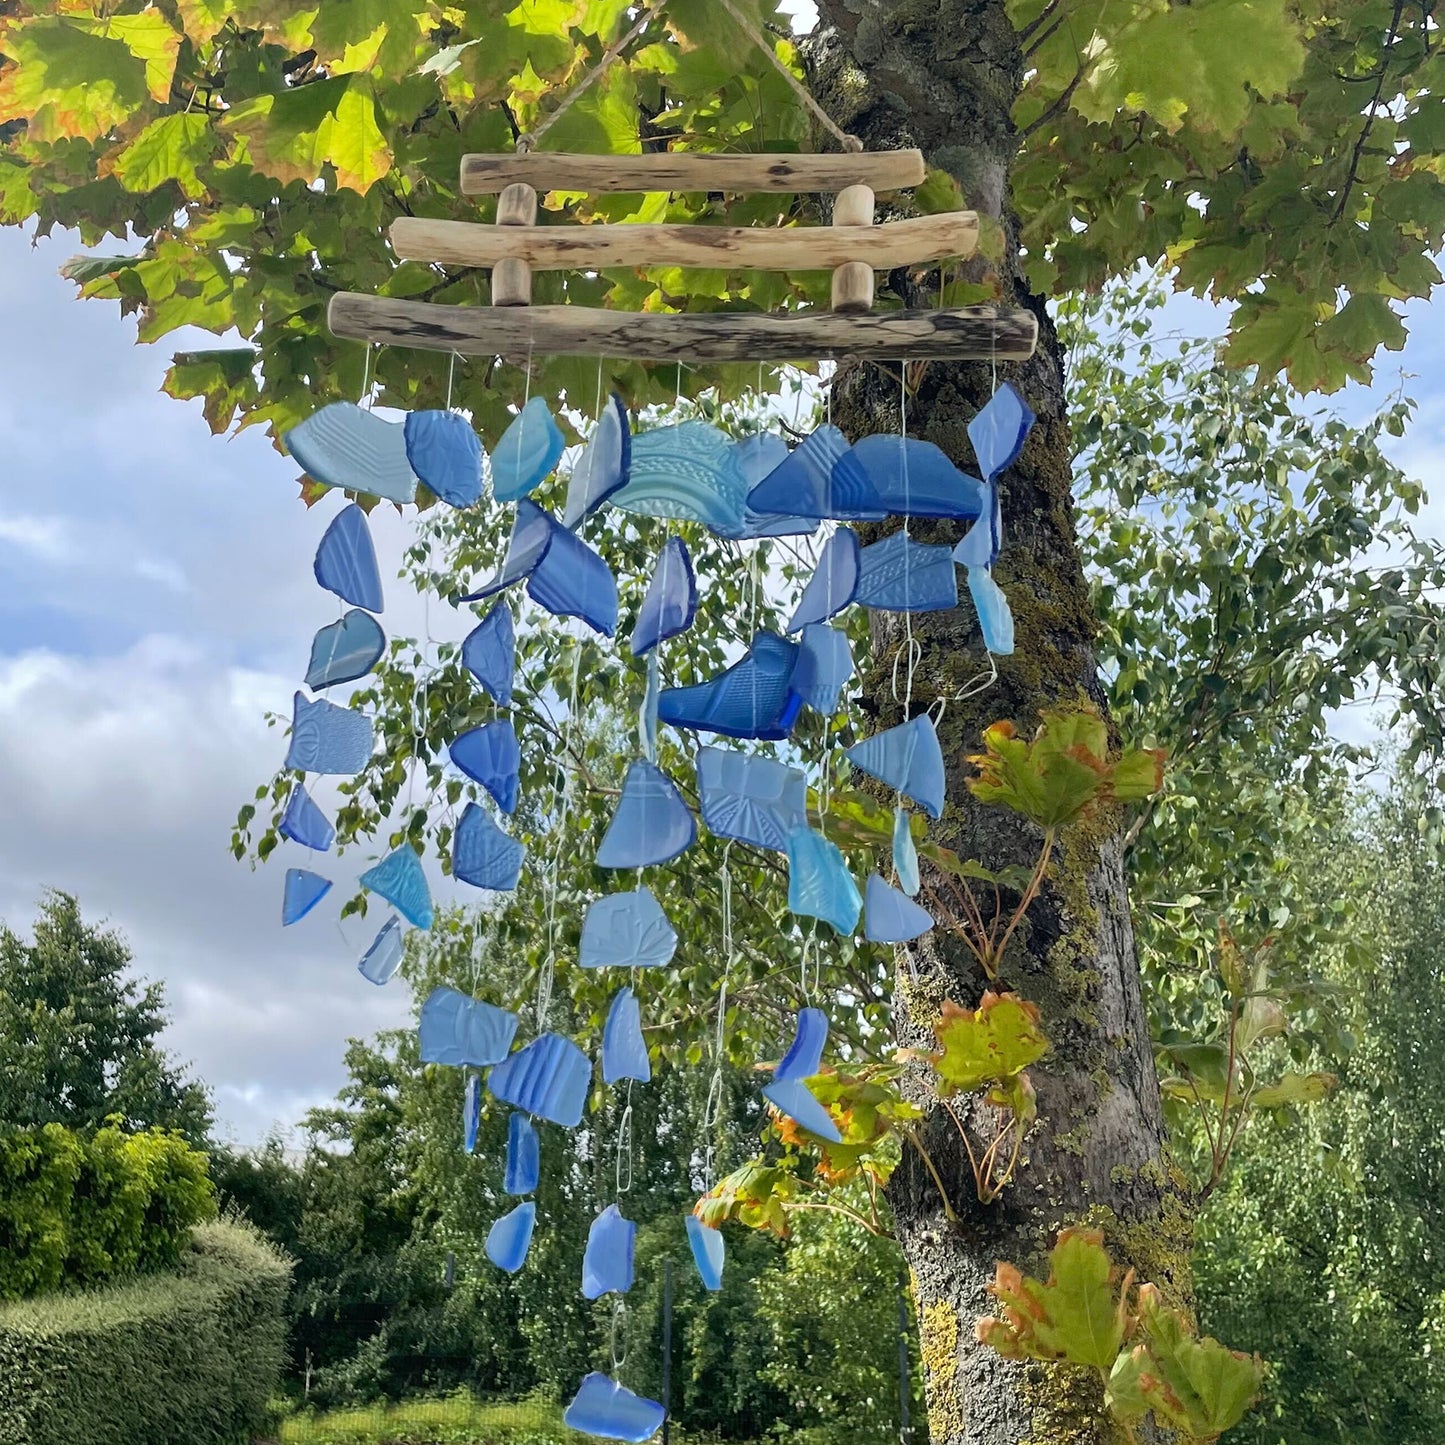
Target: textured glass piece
{"x": 999, "y": 430}
{"x": 611, "y": 1411}
{"x": 302, "y": 892}
{"x": 524, "y": 1155}
{"x": 819, "y": 883}
{"x": 344, "y": 445}
{"x": 890, "y": 916}
{"x": 624, "y": 1054}
{"x": 345, "y": 649}
{"x": 750, "y": 798}
{"x": 509, "y": 1239}
{"x": 490, "y": 755}
{"x": 789, "y": 1090}
{"x": 821, "y": 478}
{"x": 571, "y": 580}
{"x": 482, "y": 854}
{"x": 905, "y": 853}
{"x": 346, "y": 560}
{"x": 709, "y": 1252}
{"x": 687, "y": 473}
{"x": 399, "y": 879}
{"x": 995, "y": 617}
{"x": 756, "y": 457}
{"x": 652, "y": 824}
{"x": 626, "y": 930}
{"x": 459, "y": 1030}
{"x": 901, "y": 575}
{"x": 548, "y": 1078}
{"x": 603, "y": 466}
{"x": 532, "y": 532}
{"x": 326, "y": 738}
{"x": 446, "y": 453}
{"x": 670, "y": 603}
{"x": 304, "y": 823}
{"x": 751, "y": 699}
{"x": 607, "y": 1260}
{"x": 471, "y": 1111}
{"x": 912, "y": 478}
{"x": 384, "y": 953}
{"x": 906, "y": 757}
{"x": 530, "y": 447}
{"x": 834, "y": 582}
{"x": 489, "y": 653}
{"x": 825, "y": 663}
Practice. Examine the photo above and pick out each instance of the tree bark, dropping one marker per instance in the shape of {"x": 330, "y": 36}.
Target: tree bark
{"x": 942, "y": 75}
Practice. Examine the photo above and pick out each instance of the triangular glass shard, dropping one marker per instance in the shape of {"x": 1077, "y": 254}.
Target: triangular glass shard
{"x": 524, "y": 1156}
{"x": 489, "y": 755}
{"x": 344, "y": 445}
{"x": 548, "y": 1078}
{"x": 709, "y": 1252}
{"x": 821, "y": 478}
{"x": 908, "y": 758}
{"x": 819, "y": 883}
{"x": 890, "y": 916}
{"x": 607, "y": 1260}
{"x": 912, "y": 478}
{"x": 464, "y": 1031}
{"x": 603, "y": 466}
{"x": 530, "y": 447}
{"x": 384, "y": 953}
{"x": 327, "y": 739}
{"x": 444, "y": 450}
{"x": 344, "y": 650}
{"x": 750, "y": 798}
{"x": 532, "y": 533}
{"x": 471, "y": 1111}
{"x": 304, "y": 823}
{"x": 624, "y": 1055}
{"x": 626, "y": 930}
{"x": 686, "y": 473}
{"x": 825, "y": 664}
{"x": 652, "y": 824}
{"x": 982, "y": 542}
{"x": 671, "y": 600}
{"x": 751, "y": 699}
{"x": 905, "y": 853}
{"x": 399, "y": 879}
{"x": 789, "y": 1090}
{"x": 995, "y": 618}
{"x": 834, "y": 582}
{"x": 794, "y": 1098}
{"x": 509, "y": 1239}
{"x": 999, "y": 430}
{"x": 346, "y": 560}
{"x": 901, "y": 575}
{"x": 303, "y": 891}
{"x": 482, "y": 854}
{"x": 610, "y": 1411}
{"x": 571, "y": 580}
{"x": 756, "y": 457}
{"x": 489, "y": 653}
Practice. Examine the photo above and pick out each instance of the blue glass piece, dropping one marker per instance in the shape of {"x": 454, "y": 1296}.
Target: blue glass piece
{"x": 548, "y": 1078}
{"x": 821, "y": 478}
{"x": 890, "y": 916}
{"x": 981, "y": 543}
{"x": 446, "y": 453}
{"x": 686, "y": 473}
{"x": 750, "y": 798}
{"x": 384, "y": 954}
{"x": 326, "y": 738}
{"x": 603, "y": 466}
{"x": 756, "y": 457}
{"x": 399, "y": 879}
{"x": 530, "y": 447}
{"x": 344, "y": 650}
{"x": 834, "y": 581}
{"x": 805, "y": 1055}
{"x": 995, "y": 618}
{"x": 911, "y": 478}
{"x": 482, "y": 854}
{"x": 524, "y": 1156}
{"x": 652, "y": 824}
{"x": 303, "y": 891}
{"x": 819, "y": 883}
{"x": 346, "y": 560}
{"x": 571, "y": 580}
{"x": 626, "y": 930}
{"x": 624, "y": 1055}
{"x": 671, "y": 600}
{"x": 607, "y": 1260}
{"x": 751, "y": 699}
{"x": 905, "y": 853}
{"x": 532, "y": 532}
{"x": 459, "y": 1030}
{"x": 901, "y": 575}
{"x": 825, "y": 664}
{"x": 647, "y": 716}
{"x": 789, "y": 1090}
{"x": 709, "y": 1252}
{"x": 999, "y": 430}
{"x": 906, "y": 757}
{"x": 489, "y": 653}
{"x": 471, "y": 1111}
{"x": 304, "y": 823}
{"x": 489, "y": 755}
{"x": 509, "y": 1239}
{"x": 793, "y": 1098}
{"x": 611, "y": 1411}
{"x": 344, "y": 445}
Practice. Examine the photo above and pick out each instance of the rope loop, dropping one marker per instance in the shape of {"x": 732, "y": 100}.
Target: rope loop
{"x": 526, "y": 143}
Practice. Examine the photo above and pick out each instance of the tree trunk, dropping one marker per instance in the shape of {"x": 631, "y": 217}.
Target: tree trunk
{"x": 942, "y": 75}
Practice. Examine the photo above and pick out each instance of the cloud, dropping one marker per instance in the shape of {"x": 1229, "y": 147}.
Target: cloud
{"x": 47, "y": 537}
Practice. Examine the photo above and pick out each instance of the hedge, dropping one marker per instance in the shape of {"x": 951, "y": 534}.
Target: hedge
{"x": 190, "y": 1356}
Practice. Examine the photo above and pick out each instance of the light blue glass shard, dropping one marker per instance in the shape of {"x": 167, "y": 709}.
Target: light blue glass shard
{"x": 789, "y": 1090}
{"x": 750, "y": 798}
{"x": 344, "y": 445}
{"x": 833, "y": 583}
{"x": 524, "y": 1156}
{"x": 624, "y": 1055}
{"x": 819, "y": 883}
{"x": 326, "y": 738}
{"x": 303, "y": 891}
{"x": 906, "y": 757}
{"x": 399, "y": 879}
{"x": 603, "y": 466}
{"x": 571, "y": 580}
{"x": 489, "y": 755}
{"x": 304, "y": 823}
{"x": 607, "y": 1260}
{"x": 981, "y": 543}
{"x": 461, "y": 1031}
{"x": 652, "y": 824}
{"x": 626, "y": 930}
{"x": 482, "y": 854}
{"x": 911, "y": 478}
{"x": 647, "y": 714}
{"x": 756, "y": 457}
{"x": 821, "y": 478}
{"x": 686, "y": 473}
{"x": 901, "y": 575}
{"x": 905, "y": 853}
{"x": 611, "y": 1411}
{"x": 794, "y": 1098}
{"x": 471, "y": 1111}
{"x": 709, "y": 1252}
{"x": 344, "y": 650}
{"x": 995, "y": 617}
{"x": 670, "y": 603}
{"x": 489, "y": 653}
{"x": 384, "y": 953}
{"x": 532, "y": 532}
{"x": 509, "y": 1239}
{"x": 346, "y": 560}
{"x": 999, "y": 430}
{"x": 751, "y": 699}
{"x": 548, "y": 1078}
{"x": 825, "y": 664}
{"x": 890, "y": 916}
{"x": 530, "y": 447}
{"x": 446, "y": 453}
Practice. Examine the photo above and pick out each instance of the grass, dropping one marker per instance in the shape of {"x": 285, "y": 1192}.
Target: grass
{"x": 456, "y": 1420}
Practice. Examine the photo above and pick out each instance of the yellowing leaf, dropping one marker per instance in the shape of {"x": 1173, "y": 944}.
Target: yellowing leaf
{"x": 1295, "y": 1089}
{"x": 225, "y": 380}
{"x": 152, "y": 39}
{"x": 65, "y": 80}
{"x": 168, "y": 149}
{"x": 987, "y": 1045}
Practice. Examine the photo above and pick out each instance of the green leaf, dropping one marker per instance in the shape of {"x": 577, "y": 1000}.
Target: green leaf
{"x": 66, "y": 80}
{"x": 1295, "y": 1089}
{"x": 939, "y": 192}
{"x": 987, "y": 1045}
{"x": 168, "y": 149}
{"x": 225, "y": 379}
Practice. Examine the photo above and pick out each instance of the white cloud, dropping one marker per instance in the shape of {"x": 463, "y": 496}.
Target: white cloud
{"x": 49, "y": 538}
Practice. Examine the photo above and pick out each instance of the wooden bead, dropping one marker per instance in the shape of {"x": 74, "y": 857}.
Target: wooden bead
{"x": 853, "y": 280}
{"x": 511, "y": 276}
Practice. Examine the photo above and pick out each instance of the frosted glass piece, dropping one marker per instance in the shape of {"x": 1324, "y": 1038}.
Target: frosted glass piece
{"x": 750, "y": 798}
{"x": 789, "y": 1090}
{"x": 446, "y": 453}
{"x": 652, "y": 824}
{"x": 461, "y": 1031}
{"x": 908, "y": 758}
{"x": 344, "y": 650}
{"x": 532, "y": 531}
{"x": 482, "y": 854}
{"x": 399, "y": 879}
{"x": 607, "y": 1260}
{"x": 471, "y": 1112}
{"x": 686, "y": 473}
{"x": 901, "y": 575}
{"x": 912, "y": 478}
{"x": 995, "y": 617}
{"x": 751, "y": 699}
{"x": 384, "y": 953}
{"x": 670, "y": 603}
{"x": 489, "y": 653}
{"x": 530, "y": 447}
{"x": 709, "y": 1252}
{"x": 805, "y": 1054}
{"x": 344, "y": 445}
{"x": 626, "y": 930}
{"x": 756, "y": 457}
{"x": 326, "y": 738}
{"x": 793, "y": 1098}
{"x": 303, "y": 822}
{"x": 524, "y": 1156}
{"x": 819, "y": 883}
{"x": 490, "y": 755}
{"x": 509, "y": 1239}
{"x": 302, "y": 892}
{"x": 825, "y": 664}
{"x": 905, "y": 853}
{"x": 999, "y": 430}
{"x": 603, "y": 466}
{"x": 611, "y": 1411}
{"x": 624, "y": 1054}
{"x": 548, "y": 1078}
{"x": 571, "y": 580}
{"x": 821, "y": 478}
{"x": 891, "y": 916}
{"x": 346, "y": 560}
{"x": 834, "y": 582}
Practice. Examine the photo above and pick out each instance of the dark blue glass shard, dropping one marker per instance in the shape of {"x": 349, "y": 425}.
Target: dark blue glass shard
{"x": 905, "y": 853}
{"x": 489, "y": 653}
{"x": 911, "y": 478}
{"x": 489, "y": 755}
{"x": 532, "y": 532}
{"x": 343, "y": 445}
{"x": 825, "y": 663}
{"x": 626, "y": 930}
{"x": 652, "y": 824}
{"x": 890, "y": 916}
{"x": 686, "y": 473}
{"x": 524, "y": 1156}
{"x": 819, "y": 883}
{"x": 399, "y": 879}
{"x": 756, "y": 457}
{"x": 603, "y": 466}
{"x": 751, "y": 699}
{"x": 750, "y": 798}
{"x": 671, "y": 600}
{"x": 509, "y": 1239}
{"x": 304, "y": 823}
{"x": 471, "y": 1111}
{"x": 303, "y": 891}
{"x": 833, "y": 583}
{"x": 999, "y": 430}
{"x": 906, "y": 757}
{"x": 346, "y": 560}
{"x": 607, "y": 1260}
{"x": 901, "y": 575}
{"x": 821, "y": 478}
{"x": 344, "y": 650}
{"x": 463, "y": 1031}
{"x": 327, "y": 739}
{"x": 624, "y": 1055}
{"x": 571, "y": 580}
{"x": 805, "y": 1056}
{"x": 995, "y": 618}
{"x": 709, "y": 1252}
{"x": 446, "y": 453}
{"x": 482, "y": 854}
{"x": 384, "y": 954}
{"x": 548, "y": 1078}
{"x": 610, "y": 1411}
{"x": 530, "y": 447}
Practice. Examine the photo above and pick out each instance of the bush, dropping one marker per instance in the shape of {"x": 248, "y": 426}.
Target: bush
{"x": 185, "y": 1357}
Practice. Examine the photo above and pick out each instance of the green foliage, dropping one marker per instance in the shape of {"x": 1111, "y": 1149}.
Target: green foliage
{"x": 456, "y": 1420}
{"x": 987, "y": 1047}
